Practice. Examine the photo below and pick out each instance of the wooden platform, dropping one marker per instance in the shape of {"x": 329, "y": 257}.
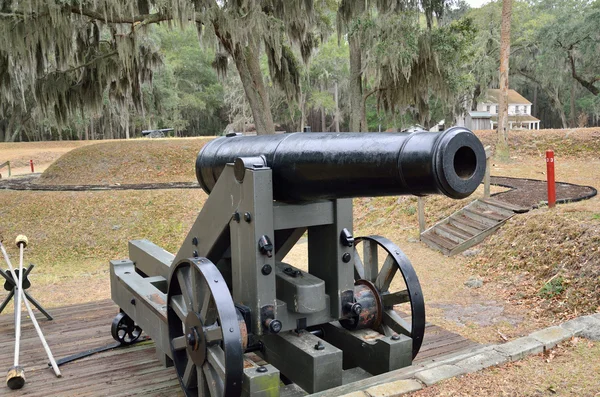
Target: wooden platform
{"x": 120, "y": 372}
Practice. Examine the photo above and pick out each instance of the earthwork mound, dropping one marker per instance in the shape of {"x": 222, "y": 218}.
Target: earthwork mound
{"x": 127, "y": 162}
{"x": 565, "y": 142}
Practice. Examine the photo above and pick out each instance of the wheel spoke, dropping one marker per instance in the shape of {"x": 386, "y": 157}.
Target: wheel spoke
{"x": 370, "y": 260}
{"x": 179, "y": 343}
{"x": 216, "y": 358}
{"x": 385, "y": 277}
{"x": 201, "y": 379}
{"x": 197, "y": 289}
{"x": 189, "y": 375}
{"x": 359, "y": 268}
{"x": 395, "y": 298}
{"x": 183, "y": 277}
{"x": 213, "y": 334}
{"x": 204, "y": 302}
{"x": 179, "y": 307}
{"x": 215, "y": 385}
{"x": 397, "y": 323}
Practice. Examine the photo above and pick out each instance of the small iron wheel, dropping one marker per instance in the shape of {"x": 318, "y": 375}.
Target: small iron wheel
{"x": 124, "y": 330}
{"x": 378, "y": 263}
{"x": 205, "y": 332}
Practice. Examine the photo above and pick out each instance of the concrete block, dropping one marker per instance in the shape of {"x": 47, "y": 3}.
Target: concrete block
{"x": 552, "y": 336}
{"x": 393, "y": 389}
{"x": 519, "y": 348}
{"x": 453, "y": 358}
{"x": 592, "y": 333}
{"x": 434, "y": 375}
{"x": 593, "y": 330}
{"x": 482, "y": 360}
{"x": 581, "y": 324}
{"x": 356, "y": 394}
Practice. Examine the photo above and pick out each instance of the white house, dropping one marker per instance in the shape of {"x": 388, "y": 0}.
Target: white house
{"x": 519, "y": 110}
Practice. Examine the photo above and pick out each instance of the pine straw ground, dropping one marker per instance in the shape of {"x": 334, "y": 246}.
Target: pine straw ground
{"x": 570, "y": 369}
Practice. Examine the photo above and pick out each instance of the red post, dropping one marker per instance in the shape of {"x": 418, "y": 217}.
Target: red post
{"x": 31, "y": 164}
{"x": 551, "y": 181}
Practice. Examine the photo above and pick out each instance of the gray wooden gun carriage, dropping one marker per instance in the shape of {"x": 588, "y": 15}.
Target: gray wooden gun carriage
{"x": 228, "y": 291}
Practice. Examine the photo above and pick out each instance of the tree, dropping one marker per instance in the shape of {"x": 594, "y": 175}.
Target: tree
{"x": 396, "y": 54}
{"x": 502, "y": 145}
{"x": 576, "y": 35}
{"x": 64, "y": 55}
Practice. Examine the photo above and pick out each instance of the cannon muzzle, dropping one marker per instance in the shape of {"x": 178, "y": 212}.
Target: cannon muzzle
{"x": 312, "y": 166}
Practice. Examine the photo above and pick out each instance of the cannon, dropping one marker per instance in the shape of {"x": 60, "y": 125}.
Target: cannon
{"x": 234, "y": 318}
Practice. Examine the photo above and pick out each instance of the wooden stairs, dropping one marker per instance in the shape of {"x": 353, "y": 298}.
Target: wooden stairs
{"x": 468, "y": 226}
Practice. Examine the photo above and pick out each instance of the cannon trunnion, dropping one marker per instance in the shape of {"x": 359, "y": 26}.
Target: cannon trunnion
{"x": 228, "y": 301}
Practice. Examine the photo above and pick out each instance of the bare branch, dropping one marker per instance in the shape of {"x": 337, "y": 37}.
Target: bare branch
{"x": 85, "y": 65}
{"x": 588, "y": 85}
{"x": 144, "y": 19}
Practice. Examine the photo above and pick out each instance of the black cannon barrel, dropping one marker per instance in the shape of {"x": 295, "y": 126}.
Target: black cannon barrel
{"x": 311, "y": 166}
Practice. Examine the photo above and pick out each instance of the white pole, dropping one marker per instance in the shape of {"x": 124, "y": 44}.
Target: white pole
{"x": 31, "y": 314}
{"x": 19, "y": 305}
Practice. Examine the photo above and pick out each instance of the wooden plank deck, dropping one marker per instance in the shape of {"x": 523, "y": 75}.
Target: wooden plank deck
{"x": 121, "y": 372}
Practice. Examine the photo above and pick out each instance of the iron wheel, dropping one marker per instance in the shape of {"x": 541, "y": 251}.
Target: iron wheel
{"x": 394, "y": 291}
{"x": 204, "y": 330}
{"x": 124, "y": 330}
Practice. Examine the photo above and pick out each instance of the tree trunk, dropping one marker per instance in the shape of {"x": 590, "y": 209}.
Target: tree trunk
{"x": 302, "y": 105}
{"x": 572, "y": 110}
{"x": 502, "y": 144}
{"x": 248, "y": 66}
{"x": 17, "y": 133}
{"x": 323, "y": 127}
{"x": 7, "y": 135}
{"x": 127, "y": 128}
{"x": 560, "y": 109}
{"x": 355, "y": 85}
{"x": 337, "y": 109}
{"x": 476, "y": 94}
{"x": 535, "y": 102}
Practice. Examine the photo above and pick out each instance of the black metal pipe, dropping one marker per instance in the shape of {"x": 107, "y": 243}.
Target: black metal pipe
{"x": 311, "y": 166}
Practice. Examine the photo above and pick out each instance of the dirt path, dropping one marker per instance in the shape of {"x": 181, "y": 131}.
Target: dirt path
{"x": 26, "y": 183}
{"x": 42, "y": 153}
{"x": 525, "y": 193}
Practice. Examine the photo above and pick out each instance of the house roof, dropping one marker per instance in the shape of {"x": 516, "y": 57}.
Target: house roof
{"x": 514, "y": 98}
{"x": 519, "y": 118}
{"x": 480, "y": 115}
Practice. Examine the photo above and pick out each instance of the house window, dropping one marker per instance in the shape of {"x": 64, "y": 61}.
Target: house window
{"x": 493, "y": 110}
{"x": 488, "y": 108}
